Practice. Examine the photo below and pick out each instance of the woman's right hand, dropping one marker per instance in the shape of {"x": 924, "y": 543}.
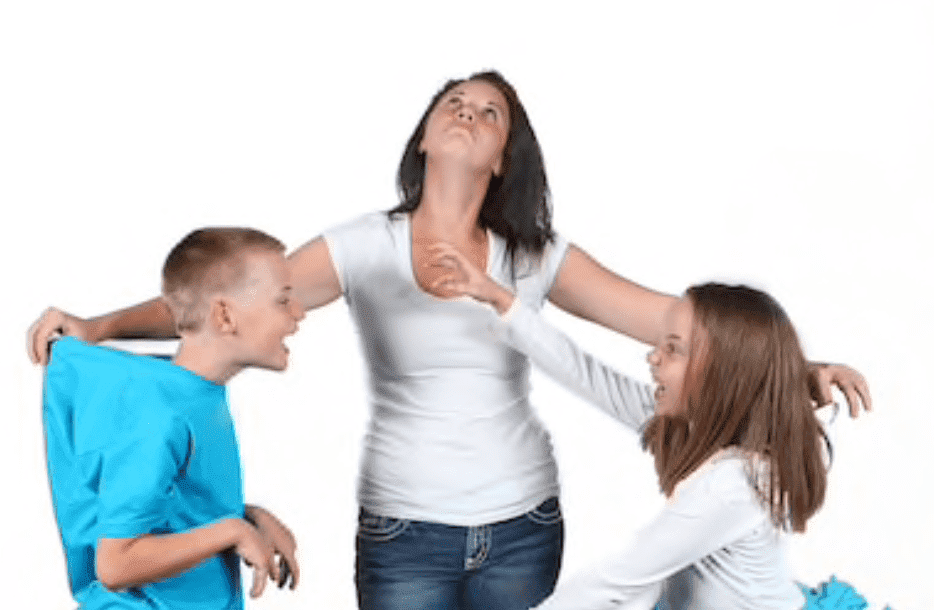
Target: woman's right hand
{"x": 53, "y": 323}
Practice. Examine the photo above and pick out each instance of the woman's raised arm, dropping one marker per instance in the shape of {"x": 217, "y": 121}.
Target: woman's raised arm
{"x": 314, "y": 278}
{"x": 314, "y": 283}
{"x": 590, "y": 291}
{"x": 150, "y": 320}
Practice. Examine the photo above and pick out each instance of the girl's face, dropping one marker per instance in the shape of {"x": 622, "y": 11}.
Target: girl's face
{"x": 469, "y": 124}
{"x": 669, "y": 360}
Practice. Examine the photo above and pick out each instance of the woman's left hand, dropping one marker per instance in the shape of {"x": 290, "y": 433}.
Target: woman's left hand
{"x": 823, "y": 376}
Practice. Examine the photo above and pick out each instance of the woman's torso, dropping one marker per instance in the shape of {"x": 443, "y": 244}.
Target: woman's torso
{"x": 452, "y": 437}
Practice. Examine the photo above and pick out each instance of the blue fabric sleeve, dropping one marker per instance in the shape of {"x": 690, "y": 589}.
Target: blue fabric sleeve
{"x": 148, "y": 449}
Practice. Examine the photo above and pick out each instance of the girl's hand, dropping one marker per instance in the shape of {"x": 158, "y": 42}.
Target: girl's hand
{"x": 823, "y": 376}
{"x": 53, "y": 323}
{"x": 282, "y": 541}
{"x": 462, "y": 278}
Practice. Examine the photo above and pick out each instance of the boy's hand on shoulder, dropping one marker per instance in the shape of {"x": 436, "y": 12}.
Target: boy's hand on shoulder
{"x": 258, "y": 553}
{"x": 282, "y": 541}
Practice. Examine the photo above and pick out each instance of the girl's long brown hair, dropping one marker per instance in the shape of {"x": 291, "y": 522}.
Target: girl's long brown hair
{"x": 746, "y": 387}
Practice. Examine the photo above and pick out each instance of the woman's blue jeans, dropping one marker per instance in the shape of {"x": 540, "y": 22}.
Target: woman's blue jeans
{"x": 417, "y": 565}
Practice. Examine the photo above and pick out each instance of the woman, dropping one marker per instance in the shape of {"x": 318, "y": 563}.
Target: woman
{"x": 458, "y": 488}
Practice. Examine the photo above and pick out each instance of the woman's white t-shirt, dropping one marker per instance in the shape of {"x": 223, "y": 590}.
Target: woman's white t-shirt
{"x": 452, "y": 437}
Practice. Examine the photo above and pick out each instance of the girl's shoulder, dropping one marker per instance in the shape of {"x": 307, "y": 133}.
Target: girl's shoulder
{"x": 729, "y": 476}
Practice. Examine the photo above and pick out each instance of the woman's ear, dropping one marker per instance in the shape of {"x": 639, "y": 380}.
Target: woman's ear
{"x": 498, "y": 166}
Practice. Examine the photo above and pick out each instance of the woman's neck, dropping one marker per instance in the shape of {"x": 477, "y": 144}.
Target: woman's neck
{"x": 451, "y": 202}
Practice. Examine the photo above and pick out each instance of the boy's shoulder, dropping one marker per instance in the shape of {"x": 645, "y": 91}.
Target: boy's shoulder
{"x": 111, "y": 389}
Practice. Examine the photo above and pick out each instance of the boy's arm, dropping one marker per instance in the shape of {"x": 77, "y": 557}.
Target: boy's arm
{"x": 281, "y": 539}
{"x": 134, "y": 562}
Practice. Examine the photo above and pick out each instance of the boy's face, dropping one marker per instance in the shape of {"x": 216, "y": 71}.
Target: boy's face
{"x": 265, "y": 312}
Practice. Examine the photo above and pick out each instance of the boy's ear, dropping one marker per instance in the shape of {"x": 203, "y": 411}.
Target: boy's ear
{"x": 221, "y": 316}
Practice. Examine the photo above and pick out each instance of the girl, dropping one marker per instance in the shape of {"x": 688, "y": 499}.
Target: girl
{"x": 731, "y": 425}
{"x": 458, "y": 485}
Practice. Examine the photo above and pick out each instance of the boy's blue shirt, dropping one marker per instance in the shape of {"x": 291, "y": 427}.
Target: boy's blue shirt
{"x": 137, "y": 445}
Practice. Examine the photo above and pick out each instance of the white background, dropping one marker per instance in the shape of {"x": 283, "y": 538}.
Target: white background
{"x": 786, "y": 144}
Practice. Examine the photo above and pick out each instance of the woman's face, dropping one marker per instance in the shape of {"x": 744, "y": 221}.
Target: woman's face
{"x": 469, "y": 125}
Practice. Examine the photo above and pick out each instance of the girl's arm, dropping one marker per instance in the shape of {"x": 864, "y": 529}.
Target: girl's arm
{"x": 621, "y": 397}
{"x": 707, "y": 512}
{"x": 314, "y": 284}
{"x": 134, "y": 562}
{"x": 588, "y": 290}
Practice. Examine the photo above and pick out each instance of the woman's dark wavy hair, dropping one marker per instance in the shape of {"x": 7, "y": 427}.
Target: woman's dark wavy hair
{"x": 746, "y": 387}
{"x": 517, "y": 206}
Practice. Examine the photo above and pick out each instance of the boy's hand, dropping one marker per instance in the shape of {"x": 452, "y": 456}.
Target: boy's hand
{"x": 53, "y": 323}
{"x": 282, "y": 541}
{"x": 258, "y": 553}
{"x": 822, "y": 376}
{"x": 463, "y": 278}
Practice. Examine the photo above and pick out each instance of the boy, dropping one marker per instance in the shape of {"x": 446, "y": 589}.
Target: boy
{"x": 143, "y": 459}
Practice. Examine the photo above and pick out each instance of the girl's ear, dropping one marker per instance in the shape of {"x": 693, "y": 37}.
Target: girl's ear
{"x": 222, "y": 316}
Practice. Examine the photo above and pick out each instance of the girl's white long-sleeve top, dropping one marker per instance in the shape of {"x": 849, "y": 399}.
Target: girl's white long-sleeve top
{"x": 713, "y": 545}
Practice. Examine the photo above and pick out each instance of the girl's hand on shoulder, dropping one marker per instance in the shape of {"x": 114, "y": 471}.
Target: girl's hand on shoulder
{"x": 822, "y": 376}
{"x": 461, "y": 278}
{"x": 53, "y": 323}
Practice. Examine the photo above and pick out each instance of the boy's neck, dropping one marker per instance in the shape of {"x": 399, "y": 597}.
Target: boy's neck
{"x": 206, "y": 358}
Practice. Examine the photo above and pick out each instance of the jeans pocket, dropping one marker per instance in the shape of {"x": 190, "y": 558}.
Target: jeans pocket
{"x": 376, "y": 528}
{"x": 546, "y": 513}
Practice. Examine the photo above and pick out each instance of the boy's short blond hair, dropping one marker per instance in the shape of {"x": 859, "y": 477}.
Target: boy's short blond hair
{"x": 205, "y": 262}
